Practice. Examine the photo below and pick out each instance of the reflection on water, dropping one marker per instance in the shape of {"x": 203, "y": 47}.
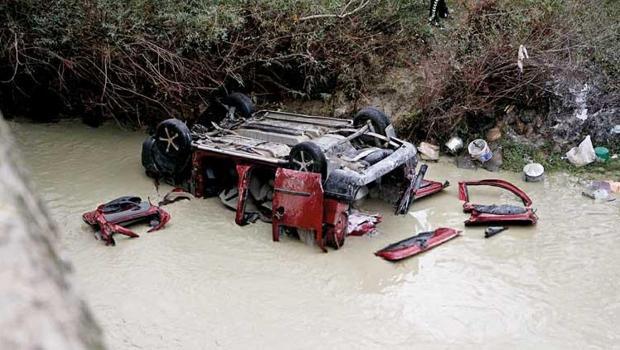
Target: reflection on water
{"x": 204, "y": 282}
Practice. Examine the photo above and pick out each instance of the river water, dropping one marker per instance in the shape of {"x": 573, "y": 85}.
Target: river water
{"x": 203, "y": 282}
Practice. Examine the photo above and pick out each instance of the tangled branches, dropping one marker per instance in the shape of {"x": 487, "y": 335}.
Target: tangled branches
{"x": 472, "y": 75}
{"x": 141, "y": 63}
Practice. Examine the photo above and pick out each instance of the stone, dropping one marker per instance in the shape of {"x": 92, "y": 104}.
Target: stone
{"x": 464, "y": 161}
{"x": 428, "y": 151}
{"x": 493, "y": 134}
{"x": 495, "y": 163}
{"x": 527, "y": 116}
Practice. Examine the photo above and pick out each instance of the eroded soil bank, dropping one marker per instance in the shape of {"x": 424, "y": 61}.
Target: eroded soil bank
{"x": 204, "y": 282}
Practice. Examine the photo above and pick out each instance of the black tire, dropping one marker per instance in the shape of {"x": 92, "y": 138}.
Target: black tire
{"x": 308, "y": 157}
{"x": 147, "y": 157}
{"x": 173, "y": 171}
{"x": 173, "y": 139}
{"x": 379, "y": 121}
{"x": 171, "y": 152}
{"x": 166, "y": 166}
{"x": 244, "y": 107}
{"x": 218, "y": 109}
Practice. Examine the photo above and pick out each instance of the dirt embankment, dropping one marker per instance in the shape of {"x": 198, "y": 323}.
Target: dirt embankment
{"x": 139, "y": 64}
{"x": 543, "y": 74}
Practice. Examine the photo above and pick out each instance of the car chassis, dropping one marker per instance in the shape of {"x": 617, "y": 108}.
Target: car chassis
{"x": 306, "y": 165}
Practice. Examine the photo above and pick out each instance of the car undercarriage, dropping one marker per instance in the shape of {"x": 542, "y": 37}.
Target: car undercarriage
{"x": 264, "y": 164}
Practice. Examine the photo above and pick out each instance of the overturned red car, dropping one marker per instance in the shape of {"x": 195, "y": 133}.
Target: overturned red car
{"x": 300, "y": 172}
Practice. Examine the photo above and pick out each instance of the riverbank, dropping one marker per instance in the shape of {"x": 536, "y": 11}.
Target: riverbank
{"x": 517, "y": 155}
{"x": 139, "y": 64}
{"x": 204, "y": 282}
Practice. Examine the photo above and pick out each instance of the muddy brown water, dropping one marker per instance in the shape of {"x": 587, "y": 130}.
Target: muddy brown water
{"x": 204, "y": 282}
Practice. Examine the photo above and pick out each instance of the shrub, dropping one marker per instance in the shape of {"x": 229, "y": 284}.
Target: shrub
{"x": 144, "y": 60}
{"x": 471, "y": 74}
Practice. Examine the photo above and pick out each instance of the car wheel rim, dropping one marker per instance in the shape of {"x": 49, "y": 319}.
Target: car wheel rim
{"x": 304, "y": 162}
{"x": 169, "y": 140}
{"x": 231, "y": 112}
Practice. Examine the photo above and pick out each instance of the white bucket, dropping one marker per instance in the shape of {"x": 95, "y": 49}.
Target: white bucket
{"x": 533, "y": 172}
{"x": 479, "y": 149}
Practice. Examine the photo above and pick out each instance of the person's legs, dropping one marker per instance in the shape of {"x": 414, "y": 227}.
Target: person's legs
{"x": 442, "y": 9}
{"x": 438, "y": 9}
{"x": 432, "y": 11}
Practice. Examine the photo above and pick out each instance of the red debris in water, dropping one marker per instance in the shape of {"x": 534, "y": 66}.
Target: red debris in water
{"x": 491, "y": 214}
{"x": 417, "y": 244}
{"x": 175, "y": 195}
{"x": 110, "y": 217}
{"x": 362, "y": 223}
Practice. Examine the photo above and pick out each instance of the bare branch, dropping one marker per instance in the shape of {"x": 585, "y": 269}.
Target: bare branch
{"x": 17, "y": 63}
{"x": 343, "y": 12}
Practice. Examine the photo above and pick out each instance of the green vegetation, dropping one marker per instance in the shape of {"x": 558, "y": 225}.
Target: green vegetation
{"x": 516, "y": 156}
{"x": 140, "y": 61}
{"x": 471, "y": 75}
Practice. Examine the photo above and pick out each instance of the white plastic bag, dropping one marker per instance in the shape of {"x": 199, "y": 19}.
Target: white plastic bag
{"x": 582, "y": 155}
{"x": 522, "y": 56}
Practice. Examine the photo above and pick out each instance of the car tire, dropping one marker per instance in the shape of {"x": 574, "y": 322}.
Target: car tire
{"x": 147, "y": 157}
{"x": 244, "y": 107}
{"x": 379, "y": 121}
{"x": 166, "y": 155}
{"x": 308, "y": 157}
{"x": 173, "y": 139}
{"x": 166, "y": 165}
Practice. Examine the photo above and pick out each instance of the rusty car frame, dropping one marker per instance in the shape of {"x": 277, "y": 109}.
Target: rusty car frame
{"x": 301, "y": 172}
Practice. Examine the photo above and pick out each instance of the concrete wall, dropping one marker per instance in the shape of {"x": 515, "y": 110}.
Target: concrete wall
{"x": 39, "y": 309}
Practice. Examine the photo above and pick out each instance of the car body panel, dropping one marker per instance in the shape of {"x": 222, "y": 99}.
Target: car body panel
{"x": 417, "y": 244}
{"x": 481, "y": 214}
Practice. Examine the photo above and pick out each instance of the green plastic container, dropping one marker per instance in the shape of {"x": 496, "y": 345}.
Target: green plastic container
{"x": 602, "y": 153}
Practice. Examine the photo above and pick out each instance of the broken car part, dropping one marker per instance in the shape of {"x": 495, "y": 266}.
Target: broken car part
{"x": 175, "y": 195}
{"x": 111, "y": 217}
{"x": 362, "y": 223}
{"x": 167, "y": 154}
{"x": 493, "y": 230}
{"x": 409, "y": 194}
{"x": 429, "y": 187}
{"x": 417, "y": 244}
{"x": 505, "y": 213}
{"x": 298, "y": 203}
